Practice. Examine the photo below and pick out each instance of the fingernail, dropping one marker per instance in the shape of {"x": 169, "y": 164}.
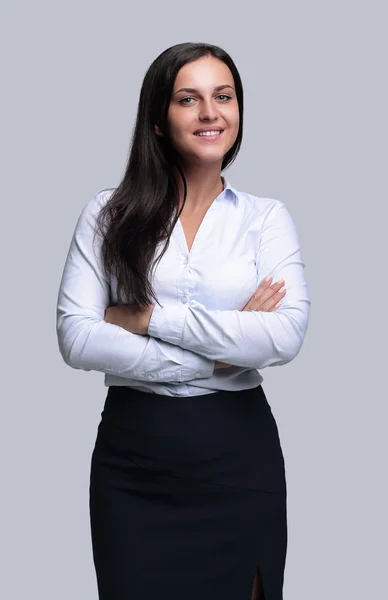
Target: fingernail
{"x": 268, "y": 278}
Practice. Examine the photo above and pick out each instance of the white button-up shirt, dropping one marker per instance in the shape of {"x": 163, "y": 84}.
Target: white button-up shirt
{"x": 242, "y": 239}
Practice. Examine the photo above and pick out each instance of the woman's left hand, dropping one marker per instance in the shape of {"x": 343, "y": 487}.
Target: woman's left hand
{"x": 130, "y": 317}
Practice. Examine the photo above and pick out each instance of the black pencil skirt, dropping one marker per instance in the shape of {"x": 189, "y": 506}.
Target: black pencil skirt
{"x": 187, "y": 497}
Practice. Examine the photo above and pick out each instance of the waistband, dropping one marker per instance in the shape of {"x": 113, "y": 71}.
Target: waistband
{"x": 152, "y": 413}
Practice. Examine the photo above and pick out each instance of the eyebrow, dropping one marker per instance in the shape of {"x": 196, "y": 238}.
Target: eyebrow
{"x": 194, "y": 91}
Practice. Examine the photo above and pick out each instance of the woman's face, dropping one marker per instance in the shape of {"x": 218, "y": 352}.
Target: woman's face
{"x": 209, "y": 102}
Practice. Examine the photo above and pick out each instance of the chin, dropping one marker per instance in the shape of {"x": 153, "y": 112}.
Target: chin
{"x": 210, "y": 152}
{"x": 209, "y": 159}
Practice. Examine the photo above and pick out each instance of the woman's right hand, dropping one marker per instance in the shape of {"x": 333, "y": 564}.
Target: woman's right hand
{"x": 267, "y": 298}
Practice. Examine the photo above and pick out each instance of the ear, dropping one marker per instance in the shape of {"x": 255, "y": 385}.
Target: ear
{"x": 158, "y": 131}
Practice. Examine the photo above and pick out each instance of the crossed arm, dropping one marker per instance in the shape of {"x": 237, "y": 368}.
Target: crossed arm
{"x": 183, "y": 343}
{"x": 248, "y": 339}
{"x": 88, "y": 342}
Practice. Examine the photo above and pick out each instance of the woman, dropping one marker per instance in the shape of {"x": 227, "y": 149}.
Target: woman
{"x": 174, "y": 288}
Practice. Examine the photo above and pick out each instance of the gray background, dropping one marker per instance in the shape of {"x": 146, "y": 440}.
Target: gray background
{"x": 315, "y": 137}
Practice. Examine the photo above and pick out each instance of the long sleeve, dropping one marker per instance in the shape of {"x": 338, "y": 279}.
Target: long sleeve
{"x": 87, "y": 342}
{"x": 242, "y": 338}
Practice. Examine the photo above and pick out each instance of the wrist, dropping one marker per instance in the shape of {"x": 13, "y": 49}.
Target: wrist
{"x": 221, "y": 365}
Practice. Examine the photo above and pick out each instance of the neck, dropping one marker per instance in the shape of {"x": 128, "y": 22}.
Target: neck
{"x": 203, "y": 186}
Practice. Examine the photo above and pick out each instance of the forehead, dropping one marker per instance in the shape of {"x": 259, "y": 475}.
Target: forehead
{"x": 202, "y": 73}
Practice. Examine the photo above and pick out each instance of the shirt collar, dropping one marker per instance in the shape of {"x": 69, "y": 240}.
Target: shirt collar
{"x": 228, "y": 189}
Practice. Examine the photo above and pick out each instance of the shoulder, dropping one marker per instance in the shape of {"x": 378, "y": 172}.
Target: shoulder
{"x": 98, "y": 200}
{"x": 90, "y": 210}
{"x": 260, "y": 207}
{"x": 267, "y": 215}
{"x": 95, "y": 203}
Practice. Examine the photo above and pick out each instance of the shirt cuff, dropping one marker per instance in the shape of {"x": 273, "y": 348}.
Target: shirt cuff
{"x": 167, "y": 323}
{"x": 196, "y": 366}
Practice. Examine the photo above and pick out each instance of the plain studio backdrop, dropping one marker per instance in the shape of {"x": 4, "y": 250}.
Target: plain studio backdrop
{"x": 315, "y": 137}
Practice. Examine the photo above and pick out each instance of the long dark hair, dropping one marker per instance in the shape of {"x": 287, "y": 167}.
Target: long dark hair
{"x": 144, "y": 208}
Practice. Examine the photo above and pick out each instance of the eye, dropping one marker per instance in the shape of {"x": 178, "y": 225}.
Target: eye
{"x": 182, "y": 100}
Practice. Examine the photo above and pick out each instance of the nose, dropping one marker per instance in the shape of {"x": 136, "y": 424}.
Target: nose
{"x": 208, "y": 111}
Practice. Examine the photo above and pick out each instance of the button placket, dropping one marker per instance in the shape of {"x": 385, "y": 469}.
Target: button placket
{"x": 186, "y": 286}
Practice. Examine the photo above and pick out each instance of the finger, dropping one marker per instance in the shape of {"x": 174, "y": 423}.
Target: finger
{"x": 259, "y": 298}
{"x": 274, "y": 307}
{"x": 265, "y": 284}
{"x": 268, "y": 289}
{"x": 250, "y": 303}
{"x": 253, "y": 299}
{"x": 253, "y": 302}
{"x": 265, "y": 291}
{"x": 272, "y": 302}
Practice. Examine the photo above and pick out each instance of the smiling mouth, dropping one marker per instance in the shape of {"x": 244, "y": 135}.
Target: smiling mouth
{"x": 214, "y": 133}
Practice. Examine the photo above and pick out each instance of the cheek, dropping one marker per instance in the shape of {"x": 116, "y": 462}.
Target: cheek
{"x": 235, "y": 119}
{"x": 178, "y": 128}
{"x": 233, "y": 114}
{"x": 232, "y": 118}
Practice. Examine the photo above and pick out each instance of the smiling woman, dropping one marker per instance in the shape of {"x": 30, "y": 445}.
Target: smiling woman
{"x": 167, "y": 289}
{"x": 206, "y": 116}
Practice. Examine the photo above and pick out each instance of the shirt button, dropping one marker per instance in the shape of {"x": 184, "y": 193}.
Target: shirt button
{"x": 184, "y": 299}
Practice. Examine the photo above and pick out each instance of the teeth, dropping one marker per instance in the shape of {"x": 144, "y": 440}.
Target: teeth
{"x": 208, "y": 133}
